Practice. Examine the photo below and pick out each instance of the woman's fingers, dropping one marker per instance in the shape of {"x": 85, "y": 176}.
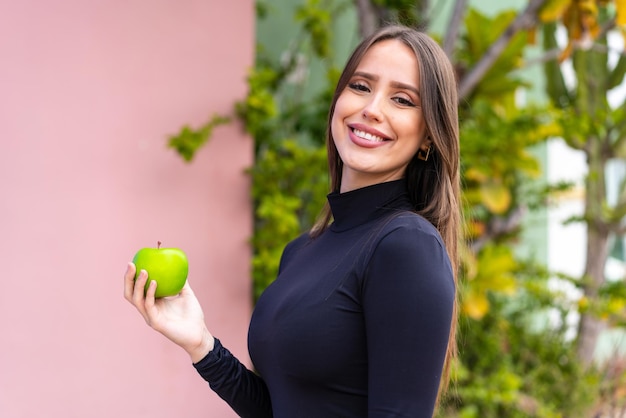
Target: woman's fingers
{"x": 129, "y": 282}
{"x": 134, "y": 289}
{"x": 138, "y": 294}
{"x": 149, "y": 300}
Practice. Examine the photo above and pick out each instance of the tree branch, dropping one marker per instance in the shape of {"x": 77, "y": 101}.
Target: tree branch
{"x": 423, "y": 7}
{"x": 368, "y": 18}
{"x": 549, "y": 55}
{"x": 524, "y": 20}
{"x": 453, "y": 27}
{"x": 498, "y": 227}
{"x": 554, "y": 54}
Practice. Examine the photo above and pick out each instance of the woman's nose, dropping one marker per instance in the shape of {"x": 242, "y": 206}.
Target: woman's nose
{"x": 373, "y": 110}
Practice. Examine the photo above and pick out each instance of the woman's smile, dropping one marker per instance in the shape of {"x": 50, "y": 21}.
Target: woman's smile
{"x": 367, "y": 137}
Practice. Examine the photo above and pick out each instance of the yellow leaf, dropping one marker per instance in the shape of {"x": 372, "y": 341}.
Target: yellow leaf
{"x": 571, "y": 21}
{"x": 620, "y": 20}
{"x": 532, "y": 35}
{"x": 475, "y": 229}
{"x": 588, "y": 6}
{"x": 495, "y": 197}
{"x": 615, "y": 306}
{"x": 470, "y": 264}
{"x": 550, "y": 129}
{"x": 496, "y": 265}
{"x": 565, "y": 54}
{"x": 499, "y": 281}
{"x": 475, "y": 174}
{"x": 504, "y": 283}
{"x": 553, "y": 10}
{"x": 475, "y": 305}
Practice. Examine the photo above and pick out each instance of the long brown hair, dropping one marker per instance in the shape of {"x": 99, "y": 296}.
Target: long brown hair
{"x": 433, "y": 185}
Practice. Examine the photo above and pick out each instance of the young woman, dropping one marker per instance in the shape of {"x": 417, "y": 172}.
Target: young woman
{"x": 361, "y": 319}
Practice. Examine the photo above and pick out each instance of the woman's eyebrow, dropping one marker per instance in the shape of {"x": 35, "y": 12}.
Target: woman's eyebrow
{"x": 397, "y": 84}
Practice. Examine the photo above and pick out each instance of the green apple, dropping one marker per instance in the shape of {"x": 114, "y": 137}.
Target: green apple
{"x": 167, "y": 266}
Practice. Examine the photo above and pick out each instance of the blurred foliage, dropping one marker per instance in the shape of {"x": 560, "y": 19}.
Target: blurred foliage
{"x": 582, "y": 19}
{"x": 517, "y": 342}
{"x": 493, "y": 124}
{"x": 290, "y": 174}
{"x": 481, "y": 31}
{"x": 190, "y": 140}
{"x": 597, "y": 129}
{"x": 515, "y": 363}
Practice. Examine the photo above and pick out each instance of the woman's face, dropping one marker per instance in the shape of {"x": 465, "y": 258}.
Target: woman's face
{"x": 377, "y": 125}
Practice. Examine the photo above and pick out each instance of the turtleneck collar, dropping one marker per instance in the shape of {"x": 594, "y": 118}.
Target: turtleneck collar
{"x": 356, "y": 207}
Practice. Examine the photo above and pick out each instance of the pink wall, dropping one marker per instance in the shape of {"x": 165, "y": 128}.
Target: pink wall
{"x": 89, "y": 91}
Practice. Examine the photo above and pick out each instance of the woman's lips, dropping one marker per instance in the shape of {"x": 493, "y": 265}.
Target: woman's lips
{"x": 366, "y": 136}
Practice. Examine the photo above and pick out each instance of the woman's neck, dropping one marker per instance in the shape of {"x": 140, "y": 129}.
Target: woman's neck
{"x": 350, "y": 181}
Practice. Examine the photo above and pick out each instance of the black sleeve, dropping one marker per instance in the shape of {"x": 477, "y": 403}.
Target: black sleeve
{"x": 408, "y": 297}
{"x": 242, "y": 389}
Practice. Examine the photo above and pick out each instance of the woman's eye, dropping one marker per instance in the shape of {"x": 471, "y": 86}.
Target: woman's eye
{"x": 358, "y": 87}
{"x": 404, "y": 102}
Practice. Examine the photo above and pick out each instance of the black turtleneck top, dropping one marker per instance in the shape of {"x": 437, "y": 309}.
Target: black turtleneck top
{"x": 355, "y": 325}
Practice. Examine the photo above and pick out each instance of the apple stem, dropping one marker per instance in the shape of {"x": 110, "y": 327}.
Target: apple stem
{"x": 158, "y": 245}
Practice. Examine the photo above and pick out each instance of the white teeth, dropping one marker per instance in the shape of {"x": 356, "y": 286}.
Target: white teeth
{"x": 368, "y": 136}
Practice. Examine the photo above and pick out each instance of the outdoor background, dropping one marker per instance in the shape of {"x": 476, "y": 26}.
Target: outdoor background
{"x": 200, "y": 124}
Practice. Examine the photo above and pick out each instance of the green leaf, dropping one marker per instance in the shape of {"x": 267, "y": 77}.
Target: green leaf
{"x": 617, "y": 74}
{"x": 555, "y": 82}
{"x": 188, "y": 141}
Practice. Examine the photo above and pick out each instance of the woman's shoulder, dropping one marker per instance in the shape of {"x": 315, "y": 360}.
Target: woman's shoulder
{"x": 403, "y": 234}
{"x": 299, "y": 241}
{"x": 409, "y": 233}
{"x": 410, "y": 246}
{"x": 293, "y": 246}
{"x": 408, "y": 222}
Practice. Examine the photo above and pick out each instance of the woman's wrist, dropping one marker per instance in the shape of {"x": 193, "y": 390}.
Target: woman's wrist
{"x": 199, "y": 351}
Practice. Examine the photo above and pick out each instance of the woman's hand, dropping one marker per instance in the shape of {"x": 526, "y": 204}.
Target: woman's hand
{"x": 179, "y": 318}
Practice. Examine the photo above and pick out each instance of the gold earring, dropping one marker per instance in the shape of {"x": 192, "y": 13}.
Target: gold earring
{"x": 423, "y": 155}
